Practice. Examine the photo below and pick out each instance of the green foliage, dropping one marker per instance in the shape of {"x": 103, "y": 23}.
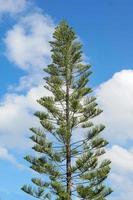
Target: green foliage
{"x": 68, "y": 167}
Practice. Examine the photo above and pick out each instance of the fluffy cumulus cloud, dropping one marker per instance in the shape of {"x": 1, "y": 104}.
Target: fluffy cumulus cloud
{"x": 116, "y": 98}
{"x": 12, "y": 6}
{"x": 119, "y": 155}
{"x": 121, "y": 176}
{"x": 122, "y": 185}
{"x": 17, "y": 117}
{"x": 5, "y": 155}
{"x": 27, "y": 43}
{"x": 27, "y": 46}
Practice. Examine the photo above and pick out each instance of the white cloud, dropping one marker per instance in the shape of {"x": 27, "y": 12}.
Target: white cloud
{"x": 122, "y": 186}
{"x": 17, "y": 117}
{"x": 12, "y": 6}
{"x": 121, "y": 177}
{"x": 27, "y": 46}
{"x": 115, "y": 96}
{"x": 27, "y": 43}
{"x": 5, "y": 155}
{"x": 122, "y": 159}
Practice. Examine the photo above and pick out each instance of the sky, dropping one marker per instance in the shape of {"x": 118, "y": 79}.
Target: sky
{"x": 105, "y": 28}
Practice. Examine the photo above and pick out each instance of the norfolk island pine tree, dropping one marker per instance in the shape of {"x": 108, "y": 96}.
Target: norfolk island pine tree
{"x": 68, "y": 169}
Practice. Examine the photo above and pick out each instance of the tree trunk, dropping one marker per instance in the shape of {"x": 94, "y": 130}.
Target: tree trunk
{"x": 68, "y": 147}
{"x": 69, "y": 172}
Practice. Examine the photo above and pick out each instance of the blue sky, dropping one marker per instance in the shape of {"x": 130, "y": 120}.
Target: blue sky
{"x": 105, "y": 29}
